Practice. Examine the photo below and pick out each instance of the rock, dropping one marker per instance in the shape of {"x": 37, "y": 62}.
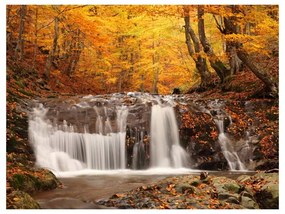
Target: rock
{"x": 233, "y": 200}
{"x": 263, "y": 188}
{"x": 30, "y": 183}
{"x": 248, "y": 202}
{"x": 268, "y": 196}
{"x": 185, "y": 188}
{"x": 243, "y": 178}
{"x": 195, "y": 183}
{"x": 22, "y": 200}
{"x": 203, "y": 175}
{"x": 232, "y": 187}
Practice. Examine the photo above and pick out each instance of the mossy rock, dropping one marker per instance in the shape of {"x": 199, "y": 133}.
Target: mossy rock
{"x": 23, "y": 182}
{"x": 185, "y": 188}
{"x": 248, "y": 202}
{"x": 195, "y": 183}
{"x": 31, "y": 183}
{"x": 268, "y": 196}
{"x": 232, "y": 187}
{"x": 21, "y": 200}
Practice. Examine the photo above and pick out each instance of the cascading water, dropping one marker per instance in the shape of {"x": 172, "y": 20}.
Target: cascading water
{"x": 61, "y": 144}
{"x": 165, "y": 148}
{"x": 225, "y": 142}
{"x": 227, "y": 147}
{"x": 61, "y": 149}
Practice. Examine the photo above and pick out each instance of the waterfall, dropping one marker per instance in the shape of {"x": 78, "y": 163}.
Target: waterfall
{"x": 165, "y": 148}
{"x": 61, "y": 149}
{"x": 227, "y": 146}
{"x": 92, "y": 134}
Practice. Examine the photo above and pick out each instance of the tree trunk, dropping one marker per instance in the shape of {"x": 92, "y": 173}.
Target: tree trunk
{"x": 215, "y": 63}
{"x": 50, "y": 58}
{"x": 262, "y": 75}
{"x": 75, "y": 53}
{"x": 200, "y": 61}
{"x": 235, "y": 62}
{"x": 8, "y": 31}
{"x": 19, "y": 50}
{"x": 36, "y": 40}
{"x": 231, "y": 28}
{"x": 155, "y": 71}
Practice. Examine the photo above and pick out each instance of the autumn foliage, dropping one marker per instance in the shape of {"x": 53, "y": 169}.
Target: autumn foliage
{"x": 104, "y": 49}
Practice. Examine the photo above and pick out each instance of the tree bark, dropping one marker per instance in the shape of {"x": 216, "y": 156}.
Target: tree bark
{"x": 19, "y": 50}
{"x": 78, "y": 46}
{"x": 232, "y": 28}
{"x": 200, "y": 61}
{"x": 155, "y": 71}
{"x": 50, "y": 58}
{"x": 215, "y": 62}
{"x": 262, "y": 75}
{"x": 36, "y": 40}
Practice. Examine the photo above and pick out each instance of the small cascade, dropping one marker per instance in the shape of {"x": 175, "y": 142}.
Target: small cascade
{"x": 139, "y": 151}
{"x": 165, "y": 148}
{"x": 227, "y": 146}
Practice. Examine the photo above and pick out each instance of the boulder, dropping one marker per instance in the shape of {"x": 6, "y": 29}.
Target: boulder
{"x": 22, "y": 200}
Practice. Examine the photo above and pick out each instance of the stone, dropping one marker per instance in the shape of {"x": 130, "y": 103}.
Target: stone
{"x": 195, "y": 183}
{"x": 185, "y": 188}
{"x": 232, "y": 187}
{"x": 22, "y": 200}
{"x": 248, "y": 202}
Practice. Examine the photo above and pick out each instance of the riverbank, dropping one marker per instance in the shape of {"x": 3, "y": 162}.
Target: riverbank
{"x": 259, "y": 191}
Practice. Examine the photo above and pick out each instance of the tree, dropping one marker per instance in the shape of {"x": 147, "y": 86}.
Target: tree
{"x": 196, "y": 52}
{"x": 232, "y": 27}
{"x": 52, "y": 52}
{"x": 19, "y": 50}
{"x": 215, "y": 62}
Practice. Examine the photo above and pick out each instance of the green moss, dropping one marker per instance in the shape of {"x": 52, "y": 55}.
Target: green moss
{"x": 30, "y": 183}
{"x": 22, "y": 200}
{"x": 23, "y": 182}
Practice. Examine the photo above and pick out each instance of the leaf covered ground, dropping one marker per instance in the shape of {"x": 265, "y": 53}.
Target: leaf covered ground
{"x": 198, "y": 192}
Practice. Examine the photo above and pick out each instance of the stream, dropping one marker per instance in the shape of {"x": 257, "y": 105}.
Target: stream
{"x": 82, "y": 192}
{"x": 102, "y": 145}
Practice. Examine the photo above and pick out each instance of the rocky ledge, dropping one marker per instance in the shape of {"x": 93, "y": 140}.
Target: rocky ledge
{"x": 259, "y": 191}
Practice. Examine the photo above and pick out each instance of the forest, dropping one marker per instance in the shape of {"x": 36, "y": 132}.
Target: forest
{"x": 137, "y": 87}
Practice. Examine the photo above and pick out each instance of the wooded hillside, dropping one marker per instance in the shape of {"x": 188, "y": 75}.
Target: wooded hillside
{"x": 104, "y": 49}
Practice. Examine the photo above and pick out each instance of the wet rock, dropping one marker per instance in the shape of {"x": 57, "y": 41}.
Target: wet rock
{"x": 185, "y": 188}
{"x": 22, "y": 200}
{"x": 264, "y": 187}
{"x": 248, "y": 202}
{"x": 30, "y": 183}
{"x": 195, "y": 183}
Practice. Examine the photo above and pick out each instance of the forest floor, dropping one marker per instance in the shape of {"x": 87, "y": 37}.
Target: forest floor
{"x": 23, "y": 84}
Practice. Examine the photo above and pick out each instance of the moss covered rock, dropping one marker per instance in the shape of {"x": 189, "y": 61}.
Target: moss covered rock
{"x": 34, "y": 181}
{"x": 21, "y": 200}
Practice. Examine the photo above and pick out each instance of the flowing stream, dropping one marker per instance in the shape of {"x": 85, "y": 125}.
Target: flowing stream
{"x": 101, "y": 145}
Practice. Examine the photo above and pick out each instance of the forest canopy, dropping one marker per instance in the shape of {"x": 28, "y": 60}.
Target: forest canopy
{"x": 147, "y": 48}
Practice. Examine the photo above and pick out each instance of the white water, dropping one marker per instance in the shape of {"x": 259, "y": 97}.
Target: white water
{"x": 59, "y": 148}
{"x": 227, "y": 147}
{"x": 165, "y": 148}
